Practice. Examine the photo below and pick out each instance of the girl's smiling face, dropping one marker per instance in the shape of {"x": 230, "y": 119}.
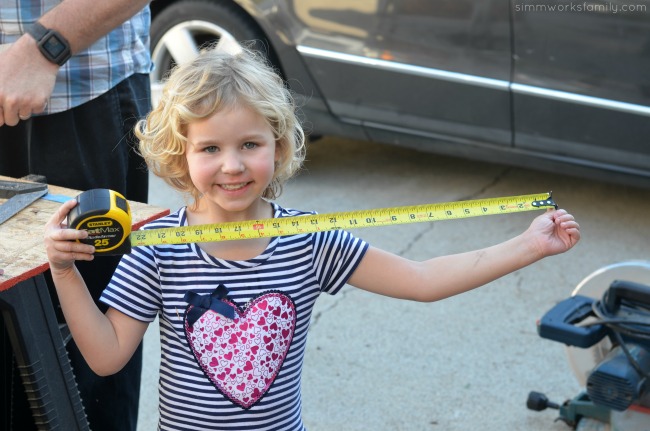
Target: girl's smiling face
{"x": 231, "y": 159}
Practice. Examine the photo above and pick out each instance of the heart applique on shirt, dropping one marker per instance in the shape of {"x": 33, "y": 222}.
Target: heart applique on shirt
{"x": 242, "y": 356}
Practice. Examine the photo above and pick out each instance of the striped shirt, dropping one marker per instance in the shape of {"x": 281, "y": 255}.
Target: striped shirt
{"x": 93, "y": 71}
{"x": 241, "y": 373}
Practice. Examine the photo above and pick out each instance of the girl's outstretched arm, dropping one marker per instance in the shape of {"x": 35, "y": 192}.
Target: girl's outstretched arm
{"x": 553, "y": 232}
{"x": 108, "y": 341}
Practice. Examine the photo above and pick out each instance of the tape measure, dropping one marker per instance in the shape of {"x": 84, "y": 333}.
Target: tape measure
{"x": 105, "y": 214}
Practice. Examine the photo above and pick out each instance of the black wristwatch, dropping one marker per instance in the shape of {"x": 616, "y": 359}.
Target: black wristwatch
{"x": 53, "y": 46}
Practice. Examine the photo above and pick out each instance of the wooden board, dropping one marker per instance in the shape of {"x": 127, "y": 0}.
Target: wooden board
{"x": 22, "y": 252}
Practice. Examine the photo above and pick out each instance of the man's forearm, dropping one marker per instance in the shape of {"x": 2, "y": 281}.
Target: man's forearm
{"x": 82, "y": 22}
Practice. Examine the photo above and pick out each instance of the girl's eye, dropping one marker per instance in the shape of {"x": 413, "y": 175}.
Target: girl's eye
{"x": 250, "y": 145}
{"x": 211, "y": 149}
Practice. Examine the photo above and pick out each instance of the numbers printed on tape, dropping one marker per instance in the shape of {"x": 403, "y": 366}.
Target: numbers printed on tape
{"x": 341, "y": 220}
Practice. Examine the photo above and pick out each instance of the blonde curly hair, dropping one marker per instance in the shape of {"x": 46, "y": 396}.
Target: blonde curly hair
{"x": 214, "y": 81}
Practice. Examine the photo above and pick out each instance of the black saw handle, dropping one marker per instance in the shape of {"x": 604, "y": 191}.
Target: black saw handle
{"x": 621, "y": 290}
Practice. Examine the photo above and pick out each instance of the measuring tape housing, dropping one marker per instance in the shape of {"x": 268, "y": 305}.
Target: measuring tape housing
{"x": 106, "y": 216}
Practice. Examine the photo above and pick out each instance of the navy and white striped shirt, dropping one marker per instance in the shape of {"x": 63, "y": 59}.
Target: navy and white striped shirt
{"x": 233, "y": 374}
{"x": 93, "y": 71}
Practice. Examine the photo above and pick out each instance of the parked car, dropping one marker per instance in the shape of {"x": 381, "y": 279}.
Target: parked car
{"x": 537, "y": 85}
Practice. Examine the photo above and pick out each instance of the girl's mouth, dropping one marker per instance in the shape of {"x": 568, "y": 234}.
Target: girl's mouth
{"x": 233, "y": 187}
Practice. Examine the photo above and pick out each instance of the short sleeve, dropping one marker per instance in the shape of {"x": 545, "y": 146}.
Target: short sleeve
{"x": 337, "y": 254}
{"x": 134, "y": 288}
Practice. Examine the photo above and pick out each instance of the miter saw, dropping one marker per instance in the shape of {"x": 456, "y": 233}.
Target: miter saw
{"x": 605, "y": 325}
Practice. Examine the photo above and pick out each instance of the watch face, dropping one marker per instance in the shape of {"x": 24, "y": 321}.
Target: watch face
{"x": 54, "y": 46}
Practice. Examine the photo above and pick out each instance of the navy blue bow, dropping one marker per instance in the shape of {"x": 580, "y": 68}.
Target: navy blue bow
{"x": 203, "y": 303}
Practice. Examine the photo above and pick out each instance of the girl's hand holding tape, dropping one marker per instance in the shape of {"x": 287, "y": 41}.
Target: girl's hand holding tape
{"x": 61, "y": 243}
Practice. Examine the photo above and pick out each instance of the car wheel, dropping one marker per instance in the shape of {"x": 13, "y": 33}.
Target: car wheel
{"x": 180, "y": 30}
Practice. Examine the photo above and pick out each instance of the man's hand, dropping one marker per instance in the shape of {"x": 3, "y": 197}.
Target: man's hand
{"x": 26, "y": 81}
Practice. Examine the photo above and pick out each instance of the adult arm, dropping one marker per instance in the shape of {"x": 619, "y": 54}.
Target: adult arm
{"x": 27, "y": 78}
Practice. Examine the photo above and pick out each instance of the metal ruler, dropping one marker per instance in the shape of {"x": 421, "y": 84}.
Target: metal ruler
{"x": 342, "y": 220}
{"x": 19, "y": 196}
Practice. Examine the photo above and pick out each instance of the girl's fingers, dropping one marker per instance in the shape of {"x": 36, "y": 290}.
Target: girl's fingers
{"x": 68, "y": 234}
{"x": 61, "y": 213}
{"x": 63, "y": 253}
{"x": 65, "y": 240}
{"x": 568, "y": 221}
{"x": 79, "y": 256}
{"x": 74, "y": 247}
{"x": 562, "y": 216}
{"x": 62, "y": 243}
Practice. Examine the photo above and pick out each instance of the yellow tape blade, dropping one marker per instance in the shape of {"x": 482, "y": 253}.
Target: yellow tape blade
{"x": 341, "y": 220}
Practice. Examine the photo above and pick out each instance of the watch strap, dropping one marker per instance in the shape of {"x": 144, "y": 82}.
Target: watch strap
{"x": 37, "y": 31}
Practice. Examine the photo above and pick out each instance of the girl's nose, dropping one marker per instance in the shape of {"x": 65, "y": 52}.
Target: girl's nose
{"x": 232, "y": 163}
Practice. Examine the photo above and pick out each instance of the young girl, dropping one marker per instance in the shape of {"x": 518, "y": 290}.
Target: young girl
{"x": 234, "y": 315}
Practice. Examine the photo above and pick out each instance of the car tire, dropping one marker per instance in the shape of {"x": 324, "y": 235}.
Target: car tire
{"x": 181, "y": 29}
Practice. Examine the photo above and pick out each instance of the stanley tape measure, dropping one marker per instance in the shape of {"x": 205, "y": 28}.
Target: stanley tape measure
{"x": 105, "y": 215}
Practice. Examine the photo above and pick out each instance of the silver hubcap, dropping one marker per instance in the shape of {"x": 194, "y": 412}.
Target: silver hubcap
{"x": 181, "y": 44}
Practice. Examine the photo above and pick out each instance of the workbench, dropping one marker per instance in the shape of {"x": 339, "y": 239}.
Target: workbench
{"x": 35, "y": 335}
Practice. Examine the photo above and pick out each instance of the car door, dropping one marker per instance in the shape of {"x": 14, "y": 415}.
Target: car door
{"x": 581, "y": 87}
{"x": 436, "y": 69}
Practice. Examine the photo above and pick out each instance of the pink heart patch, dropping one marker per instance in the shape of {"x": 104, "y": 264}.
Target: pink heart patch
{"x": 242, "y": 356}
